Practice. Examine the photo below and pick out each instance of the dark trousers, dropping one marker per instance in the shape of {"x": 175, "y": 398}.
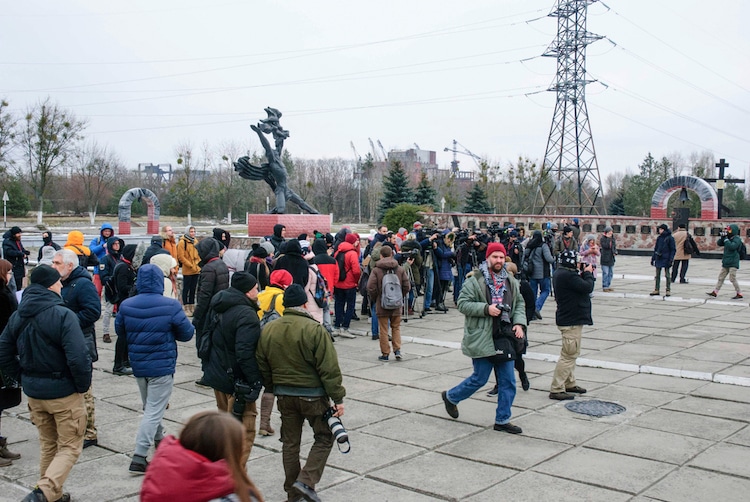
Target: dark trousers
{"x": 683, "y": 266}
{"x": 346, "y": 300}
{"x": 18, "y": 275}
{"x": 189, "y": 285}
{"x": 121, "y": 352}
{"x": 294, "y": 410}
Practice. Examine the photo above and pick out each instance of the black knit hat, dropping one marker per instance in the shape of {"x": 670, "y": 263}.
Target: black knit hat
{"x": 243, "y": 281}
{"x": 44, "y": 275}
{"x": 15, "y": 230}
{"x": 294, "y": 296}
{"x": 260, "y": 252}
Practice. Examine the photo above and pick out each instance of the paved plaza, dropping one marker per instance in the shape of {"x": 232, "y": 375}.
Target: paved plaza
{"x": 679, "y": 365}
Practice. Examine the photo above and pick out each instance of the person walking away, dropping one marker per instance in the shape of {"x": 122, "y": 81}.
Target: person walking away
{"x": 539, "y": 255}
{"x": 16, "y": 254}
{"x": 85, "y": 257}
{"x": 664, "y": 251}
{"x": 231, "y": 367}
{"x": 298, "y": 360}
{"x": 493, "y": 305}
{"x": 444, "y": 255}
{"x": 79, "y": 295}
{"x": 730, "y": 261}
{"x": 98, "y": 246}
{"x": 188, "y": 258}
{"x": 573, "y": 296}
{"x": 106, "y": 274}
{"x": 8, "y": 305}
{"x": 345, "y": 290}
{"x": 152, "y": 324}
{"x": 123, "y": 278}
{"x": 168, "y": 267}
{"x": 608, "y": 247}
{"x": 204, "y": 464}
{"x": 387, "y": 283}
{"x": 681, "y": 257}
{"x": 44, "y": 348}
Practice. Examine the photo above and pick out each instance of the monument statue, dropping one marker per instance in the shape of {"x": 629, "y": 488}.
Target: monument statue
{"x": 273, "y": 171}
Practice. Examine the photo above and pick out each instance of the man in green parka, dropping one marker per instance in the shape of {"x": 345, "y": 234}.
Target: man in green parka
{"x": 732, "y": 242}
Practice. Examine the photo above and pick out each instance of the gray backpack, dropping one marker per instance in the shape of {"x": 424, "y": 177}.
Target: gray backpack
{"x": 271, "y": 314}
{"x": 391, "y": 296}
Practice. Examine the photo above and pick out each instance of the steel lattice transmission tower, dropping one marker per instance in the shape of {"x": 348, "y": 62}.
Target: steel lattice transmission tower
{"x": 569, "y": 181}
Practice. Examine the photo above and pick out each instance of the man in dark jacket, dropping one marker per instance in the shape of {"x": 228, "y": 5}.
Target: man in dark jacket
{"x": 106, "y": 273}
{"x": 345, "y": 289}
{"x": 279, "y": 231}
{"x": 298, "y": 361}
{"x": 44, "y": 345}
{"x": 731, "y": 241}
{"x": 16, "y": 254}
{"x": 80, "y": 296}
{"x": 47, "y": 241}
{"x": 572, "y": 294}
{"x": 152, "y": 323}
{"x": 232, "y": 359}
{"x": 155, "y": 248}
{"x": 214, "y": 277}
{"x": 387, "y": 265}
{"x": 664, "y": 251}
{"x": 123, "y": 277}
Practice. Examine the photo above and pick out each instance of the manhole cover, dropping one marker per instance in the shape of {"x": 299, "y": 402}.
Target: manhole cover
{"x": 595, "y": 408}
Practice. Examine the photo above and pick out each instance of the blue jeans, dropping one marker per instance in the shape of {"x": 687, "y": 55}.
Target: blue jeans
{"x": 345, "y": 298}
{"x": 155, "y": 394}
{"x": 607, "y": 273}
{"x": 374, "y": 330}
{"x": 506, "y": 386}
{"x": 429, "y": 285}
{"x": 536, "y": 285}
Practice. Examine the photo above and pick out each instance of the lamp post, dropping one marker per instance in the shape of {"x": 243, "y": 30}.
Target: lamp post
{"x": 5, "y": 208}
{"x": 442, "y": 205}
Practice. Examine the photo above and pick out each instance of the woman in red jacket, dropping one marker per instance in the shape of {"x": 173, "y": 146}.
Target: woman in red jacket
{"x": 204, "y": 464}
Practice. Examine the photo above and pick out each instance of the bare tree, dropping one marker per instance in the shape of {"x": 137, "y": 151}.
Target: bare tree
{"x": 8, "y": 130}
{"x": 49, "y": 136}
{"x": 95, "y": 168}
{"x": 187, "y": 179}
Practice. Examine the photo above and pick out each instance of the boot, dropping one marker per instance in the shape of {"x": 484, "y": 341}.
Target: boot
{"x": 441, "y": 307}
{"x": 266, "y": 405}
{"x": 5, "y": 453}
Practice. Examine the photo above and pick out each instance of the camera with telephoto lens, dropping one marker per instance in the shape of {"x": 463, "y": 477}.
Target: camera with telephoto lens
{"x": 244, "y": 393}
{"x": 502, "y": 307}
{"x": 337, "y": 429}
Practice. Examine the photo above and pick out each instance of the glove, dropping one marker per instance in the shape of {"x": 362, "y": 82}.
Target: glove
{"x": 26, "y": 252}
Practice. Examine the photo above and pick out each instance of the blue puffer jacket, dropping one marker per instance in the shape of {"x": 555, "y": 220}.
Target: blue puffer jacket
{"x": 152, "y": 323}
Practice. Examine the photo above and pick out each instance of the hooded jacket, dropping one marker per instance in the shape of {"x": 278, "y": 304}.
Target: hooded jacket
{"x": 45, "y": 335}
{"x": 166, "y": 263}
{"x": 187, "y": 255}
{"x": 85, "y": 257}
{"x": 124, "y": 274}
{"x": 176, "y": 473}
{"x": 375, "y": 284}
{"x": 572, "y": 295}
{"x": 731, "y": 244}
{"x": 47, "y": 240}
{"x": 293, "y": 262}
{"x": 540, "y": 255}
{"x": 233, "y": 341}
{"x": 111, "y": 259}
{"x": 97, "y": 245}
{"x": 152, "y": 323}
{"x": 277, "y": 239}
{"x": 664, "y": 250}
{"x": 14, "y": 252}
{"x": 79, "y": 295}
{"x": 351, "y": 266}
{"x": 154, "y": 249}
{"x": 325, "y": 262}
{"x": 214, "y": 278}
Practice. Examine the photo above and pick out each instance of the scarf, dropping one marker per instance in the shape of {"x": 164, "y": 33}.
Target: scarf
{"x": 496, "y": 282}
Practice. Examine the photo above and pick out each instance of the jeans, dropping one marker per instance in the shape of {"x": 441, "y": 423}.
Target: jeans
{"x": 536, "y": 285}
{"x": 506, "y": 386}
{"x": 607, "y": 272}
{"x": 374, "y": 326}
{"x": 667, "y": 277}
{"x": 345, "y": 299}
{"x": 155, "y": 394}
{"x": 428, "y": 287}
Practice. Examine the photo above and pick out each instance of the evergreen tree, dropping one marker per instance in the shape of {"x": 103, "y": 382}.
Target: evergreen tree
{"x": 425, "y": 194}
{"x": 476, "y": 201}
{"x": 396, "y": 189}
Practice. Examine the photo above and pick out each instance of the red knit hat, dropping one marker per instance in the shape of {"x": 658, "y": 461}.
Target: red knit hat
{"x": 495, "y": 246}
{"x": 280, "y": 278}
{"x": 351, "y": 238}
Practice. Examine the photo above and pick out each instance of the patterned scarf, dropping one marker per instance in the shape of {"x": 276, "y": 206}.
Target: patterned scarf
{"x": 496, "y": 282}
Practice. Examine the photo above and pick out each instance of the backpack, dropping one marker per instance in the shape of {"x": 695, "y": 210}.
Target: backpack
{"x": 687, "y": 246}
{"x": 391, "y": 296}
{"x": 272, "y": 314}
{"x": 743, "y": 251}
{"x": 321, "y": 289}
{"x": 527, "y": 266}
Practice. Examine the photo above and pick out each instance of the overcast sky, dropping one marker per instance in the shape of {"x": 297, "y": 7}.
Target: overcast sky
{"x": 672, "y": 75}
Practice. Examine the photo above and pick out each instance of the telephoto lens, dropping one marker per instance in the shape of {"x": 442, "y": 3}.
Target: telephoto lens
{"x": 338, "y": 430}
{"x": 238, "y": 409}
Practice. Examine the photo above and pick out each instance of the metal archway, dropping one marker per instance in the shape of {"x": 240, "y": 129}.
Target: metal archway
{"x": 706, "y": 193}
{"x": 123, "y": 210}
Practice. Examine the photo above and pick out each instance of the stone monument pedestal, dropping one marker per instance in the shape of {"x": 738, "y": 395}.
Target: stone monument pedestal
{"x": 260, "y": 225}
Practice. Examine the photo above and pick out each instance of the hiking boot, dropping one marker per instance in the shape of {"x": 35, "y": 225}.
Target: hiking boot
{"x": 561, "y": 396}
{"x": 575, "y": 390}
{"x": 90, "y": 442}
{"x": 106, "y": 338}
{"x": 451, "y": 408}
{"x": 122, "y": 371}
{"x": 712, "y": 293}
{"x": 738, "y": 296}
{"x": 202, "y": 383}
{"x": 383, "y": 357}
{"x": 683, "y": 281}
{"x": 5, "y": 462}
{"x": 138, "y": 466}
{"x": 5, "y": 453}
{"x": 524, "y": 381}
{"x": 307, "y": 492}
{"x": 441, "y": 308}
{"x": 397, "y": 353}
{"x": 654, "y": 293}
{"x": 37, "y": 495}
{"x": 376, "y": 337}
{"x": 493, "y": 392}
{"x": 538, "y": 315}
{"x": 509, "y": 428}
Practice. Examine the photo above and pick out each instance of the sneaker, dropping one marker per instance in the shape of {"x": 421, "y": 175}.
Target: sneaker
{"x": 451, "y": 408}
{"x": 106, "y": 338}
{"x": 575, "y": 390}
{"x": 383, "y": 357}
{"x": 654, "y": 293}
{"x": 493, "y": 392}
{"x": 122, "y": 371}
{"x": 344, "y": 333}
{"x": 683, "y": 281}
{"x": 738, "y": 296}
{"x": 202, "y": 383}
{"x": 509, "y": 428}
{"x": 36, "y": 495}
{"x": 307, "y": 492}
{"x": 138, "y": 466}
{"x": 397, "y": 353}
{"x": 428, "y": 309}
{"x": 538, "y": 315}
{"x": 355, "y": 317}
{"x": 524, "y": 381}
{"x": 561, "y": 396}
{"x": 90, "y": 442}
{"x": 712, "y": 293}
{"x": 376, "y": 337}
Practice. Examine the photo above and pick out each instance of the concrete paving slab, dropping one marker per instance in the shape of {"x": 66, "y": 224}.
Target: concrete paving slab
{"x": 371, "y": 490}
{"x": 437, "y": 383}
{"x": 459, "y": 478}
{"x": 533, "y": 487}
{"x": 626, "y": 396}
{"x": 395, "y": 373}
{"x": 688, "y": 424}
{"x": 662, "y": 383}
{"x": 731, "y": 459}
{"x": 402, "y": 398}
{"x": 420, "y": 430}
{"x": 647, "y": 443}
{"x": 606, "y": 469}
{"x": 725, "y": 392}
{"x": 363, "y": 413}
{"x": 574, "y": 430}
{"x": 711, "y": 407}
{"x": 360, "y": 386}
{"x": 372, "y": 453}
{"x": 697, "y": 485}
{"x": 741, "y": 438}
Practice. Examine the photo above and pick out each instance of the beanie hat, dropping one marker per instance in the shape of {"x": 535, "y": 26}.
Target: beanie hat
{"x": 268, "y": 247}
{"x": 156, "y": 239}
{"x": 294, "y": 296}
{"x": 243, "y": 281}
{"x": 15, "y": 230}
{"x": 280, "y": 278}
{"x": 663, "y": 226}
{"x": 44, "y": 275}
{"x": 495, "y": 246}
{"x": 569, "y": 258}
{"x": 567, "y": 229}
{"x": 260, "y": 252}
{"x": 351, "y": 239}
{"x": 607, "y": 228}
{"x": 417, "y": 224}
